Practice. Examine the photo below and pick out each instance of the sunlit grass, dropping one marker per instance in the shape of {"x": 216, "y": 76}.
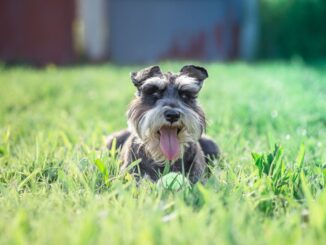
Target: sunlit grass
{"x": 58, "y": 183}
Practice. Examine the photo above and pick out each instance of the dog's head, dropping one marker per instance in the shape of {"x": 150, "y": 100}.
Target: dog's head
{"x": 165, "y": 114}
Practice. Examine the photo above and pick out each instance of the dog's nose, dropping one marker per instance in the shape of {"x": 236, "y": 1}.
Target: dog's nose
{"x": 171, "y": 115}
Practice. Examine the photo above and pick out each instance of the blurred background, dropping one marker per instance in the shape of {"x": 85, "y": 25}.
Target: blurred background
{"x": 63, "y": 32}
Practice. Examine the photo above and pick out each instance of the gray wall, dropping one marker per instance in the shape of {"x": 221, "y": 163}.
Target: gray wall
{"x": 147, "y": 30}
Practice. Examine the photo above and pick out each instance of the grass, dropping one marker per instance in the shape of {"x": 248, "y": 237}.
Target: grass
{"x": 59, "y": 185}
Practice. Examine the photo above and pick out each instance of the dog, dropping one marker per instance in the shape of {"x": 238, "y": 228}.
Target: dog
{"x": 166, "y": 125}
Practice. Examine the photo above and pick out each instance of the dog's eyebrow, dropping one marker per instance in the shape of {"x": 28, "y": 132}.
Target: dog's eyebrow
{"x": 154, "y": 81}
{"x": 188, "y": 83}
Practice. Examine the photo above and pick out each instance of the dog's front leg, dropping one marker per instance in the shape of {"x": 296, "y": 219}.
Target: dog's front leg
{"x": 197, "y": 168}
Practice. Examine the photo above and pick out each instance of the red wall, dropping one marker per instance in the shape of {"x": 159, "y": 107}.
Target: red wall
{"x": 37, "y": 31}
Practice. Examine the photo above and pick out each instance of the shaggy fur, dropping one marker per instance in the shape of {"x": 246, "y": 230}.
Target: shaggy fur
{"x": 158, "y": 95}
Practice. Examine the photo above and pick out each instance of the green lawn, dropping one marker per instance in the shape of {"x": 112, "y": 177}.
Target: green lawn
{"x": 53, "y": 123}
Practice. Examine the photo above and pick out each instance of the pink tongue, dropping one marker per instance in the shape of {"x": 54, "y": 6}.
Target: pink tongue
{"x": 169, "y": 142}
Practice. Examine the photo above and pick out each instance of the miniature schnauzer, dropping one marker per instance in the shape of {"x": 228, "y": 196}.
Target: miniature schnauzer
{"x": 166, "y": 124}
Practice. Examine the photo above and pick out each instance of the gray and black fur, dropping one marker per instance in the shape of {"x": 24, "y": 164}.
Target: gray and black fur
{"x": 166, "y": 100}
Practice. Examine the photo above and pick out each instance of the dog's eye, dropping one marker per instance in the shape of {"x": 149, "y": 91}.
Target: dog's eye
{"x": 150, "y": 89}
{"x": 157, "y": 94}
{"x": 153, "y": 91}
{"x": 186, "y": 95}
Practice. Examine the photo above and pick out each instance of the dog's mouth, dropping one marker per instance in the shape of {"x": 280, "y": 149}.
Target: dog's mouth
{"x": 169, "y": 142}
{"x": 178, "y": 130}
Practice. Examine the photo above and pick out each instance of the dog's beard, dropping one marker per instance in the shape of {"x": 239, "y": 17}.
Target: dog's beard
{"x": 151, "y": 124}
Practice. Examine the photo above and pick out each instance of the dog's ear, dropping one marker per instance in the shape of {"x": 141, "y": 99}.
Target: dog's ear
{"x": 140, "y": 76}
{"x": 197, "y": 72}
